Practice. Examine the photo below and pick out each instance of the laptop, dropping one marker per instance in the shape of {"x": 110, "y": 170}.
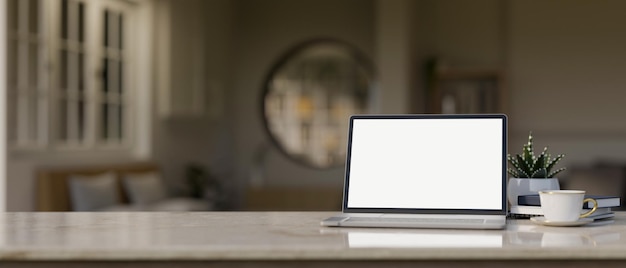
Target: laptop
{"x": 425, "y": 171}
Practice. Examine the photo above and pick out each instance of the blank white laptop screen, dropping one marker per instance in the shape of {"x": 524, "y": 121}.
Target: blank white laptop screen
{"x": 441, "y": 163}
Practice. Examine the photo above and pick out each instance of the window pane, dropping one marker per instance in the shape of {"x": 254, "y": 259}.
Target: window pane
{"x": 105, "y": 121}
{"x": 121, "y": 32}
{"x": 81, "y": 120}
{"x": 33, "y": 64}
{"x": 119, "y": 78}
{"x": 112, "y": 119}
{"x": 120, "y": 122}
{"x": 12, "y": 64}
{"x": 72, "y": 120}
{"x": 63, "y": 120}
{"x": 22, "y": 116}
{"x": 81, "y": 22}
{"x": 64, "y": 19}
{"x": 112, "y": 65}
{"x": 106, "y": 28}
{"x": 105, "y": 75}
{"x": 81, "y": 72}
{"x": 33, "y": 16}
{"x": 111, "y": 122}
{"x": 13, "y": 17}
{"x": 42, "y": 115}
{"x": 33, "y": 118}
{"x": 114, "y": 123}
{"x": 73, "y": 71}
{"x": 63, "y": 70}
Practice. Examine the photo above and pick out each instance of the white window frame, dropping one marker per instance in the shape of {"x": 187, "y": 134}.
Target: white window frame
{"x": 48, "y": 134}
{"x": 69, "y": 93}
{"x": 27, "y": 101}
{"x": 111, "y": 97}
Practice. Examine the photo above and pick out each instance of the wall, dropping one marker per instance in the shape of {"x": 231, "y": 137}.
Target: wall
{"x": 265, "y": 30}
{"x": 567, "y": 64}
{"x": 394, "y": 57}
{"x": 564, "y": 63}
{"x": 463, "y": 34}
{"x": 459, "y": 35}
{"x": 190, "y": 126}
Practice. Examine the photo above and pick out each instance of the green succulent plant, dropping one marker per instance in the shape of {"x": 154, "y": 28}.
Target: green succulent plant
{"x": 528, "y": 165}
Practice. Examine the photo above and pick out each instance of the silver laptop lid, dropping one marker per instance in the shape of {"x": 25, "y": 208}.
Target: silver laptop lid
{"x": 435, "y": 164}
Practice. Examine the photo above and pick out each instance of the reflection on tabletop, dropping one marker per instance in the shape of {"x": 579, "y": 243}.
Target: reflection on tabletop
{"x": 519, "y": 233}
{"x": 423, "y": 240}
{"x": 597, "y": 233}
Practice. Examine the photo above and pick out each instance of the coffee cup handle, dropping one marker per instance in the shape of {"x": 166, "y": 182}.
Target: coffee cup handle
{"x": 595, "y": 206}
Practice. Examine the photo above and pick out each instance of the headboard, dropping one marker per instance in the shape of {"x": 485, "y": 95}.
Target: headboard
{"x": 52, "y": 183}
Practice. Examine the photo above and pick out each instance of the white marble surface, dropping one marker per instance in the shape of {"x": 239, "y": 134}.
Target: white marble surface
{"x": 286, "y": 236}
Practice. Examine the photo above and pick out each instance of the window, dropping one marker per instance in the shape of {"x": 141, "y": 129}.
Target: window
{"x": 72, "y": 91}
{"x": 27, "y": 84}
{"x": 112, "y": 88}
{"x": 68, "y": 87}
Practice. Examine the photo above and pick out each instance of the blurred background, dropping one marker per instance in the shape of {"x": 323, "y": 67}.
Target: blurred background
{"x": 227, "y": 88}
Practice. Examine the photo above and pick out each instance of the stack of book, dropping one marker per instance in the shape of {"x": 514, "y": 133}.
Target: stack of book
{"x": 530, "y": 206}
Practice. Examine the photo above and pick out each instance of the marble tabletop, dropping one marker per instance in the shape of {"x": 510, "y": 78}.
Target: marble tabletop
{"x": 223, "y": 236}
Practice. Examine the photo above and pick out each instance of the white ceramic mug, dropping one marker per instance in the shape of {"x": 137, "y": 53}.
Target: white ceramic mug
{"x": 565, "y": 205}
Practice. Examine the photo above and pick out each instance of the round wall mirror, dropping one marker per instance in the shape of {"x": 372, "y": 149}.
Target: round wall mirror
{"x": 309, "y": 96}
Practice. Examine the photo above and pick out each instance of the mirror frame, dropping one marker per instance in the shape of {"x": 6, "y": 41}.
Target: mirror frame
{"x": 359, "y": 57}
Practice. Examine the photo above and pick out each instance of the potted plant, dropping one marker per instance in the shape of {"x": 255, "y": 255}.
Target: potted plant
{"x": 202, "y": 183}
{"x": 531, "y": 173}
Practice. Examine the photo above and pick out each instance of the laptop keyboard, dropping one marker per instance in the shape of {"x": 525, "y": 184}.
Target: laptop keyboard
{"x": 414, "y": 220}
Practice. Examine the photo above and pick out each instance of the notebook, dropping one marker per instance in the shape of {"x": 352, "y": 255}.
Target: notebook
{"x": 425, "y": 171}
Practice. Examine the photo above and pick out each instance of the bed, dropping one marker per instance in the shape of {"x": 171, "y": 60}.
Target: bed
{"x": 121, "y": 187}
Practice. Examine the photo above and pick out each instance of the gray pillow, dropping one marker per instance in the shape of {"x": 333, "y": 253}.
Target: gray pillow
{"x": 144, "y": 188}
{"x": 93, "y": 192}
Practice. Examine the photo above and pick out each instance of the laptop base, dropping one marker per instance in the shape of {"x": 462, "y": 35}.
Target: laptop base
{"x": 417, "y": 221}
